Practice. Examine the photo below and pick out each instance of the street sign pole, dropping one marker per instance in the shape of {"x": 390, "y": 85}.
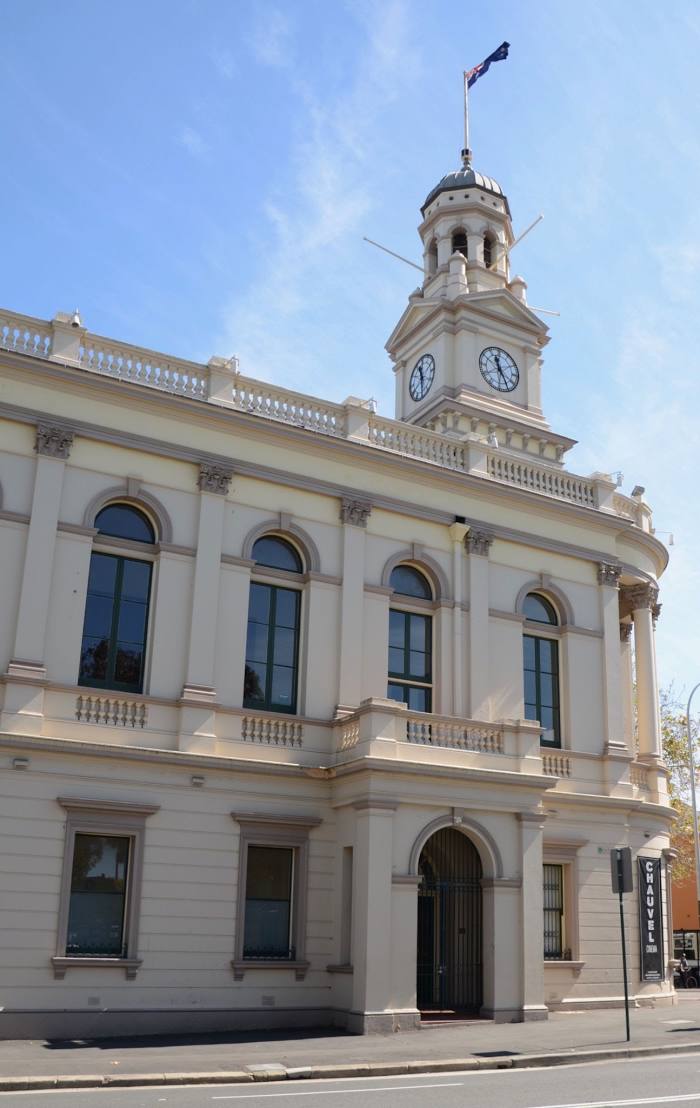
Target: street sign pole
{"x": 624, "y": 968}
{"x": 621, "y": 872}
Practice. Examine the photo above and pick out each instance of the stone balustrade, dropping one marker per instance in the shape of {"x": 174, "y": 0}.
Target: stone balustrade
{"x": 261, "y": 399}
{"x": 144, "y": 367}
{"x": 457, "y": 734}
{"x": 111, "y": 709}
{"x": 272, "y": 730}
{"x": 556, "y": 765}
{"x": 540, "y": 478}
{"x": 65, "y": 340}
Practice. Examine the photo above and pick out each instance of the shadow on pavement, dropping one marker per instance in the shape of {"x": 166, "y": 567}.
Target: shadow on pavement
{"x": 218, "y": 1038}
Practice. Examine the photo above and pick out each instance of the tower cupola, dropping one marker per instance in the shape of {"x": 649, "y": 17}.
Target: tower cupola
{"x": 466, "y": 213}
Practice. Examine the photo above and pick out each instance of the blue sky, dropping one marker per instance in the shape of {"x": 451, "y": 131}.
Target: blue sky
{"x": 197, "y": 178}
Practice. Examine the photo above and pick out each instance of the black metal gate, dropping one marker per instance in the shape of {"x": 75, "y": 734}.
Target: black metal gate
{"x": 449, "y": 924}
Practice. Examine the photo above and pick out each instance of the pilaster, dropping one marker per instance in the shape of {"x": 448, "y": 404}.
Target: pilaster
{"x": 52, "y": 448}
{"x": 531, "y": 837}
{"x": 23, "y": 707}
{"x": 197, "y": 716}
{"x": 609, "y": 582}
{"x": 354, "y": 515}
{"x": 372, "y": 940}
{"x": 478, "y": 544}
{"x": 458, "y": 532}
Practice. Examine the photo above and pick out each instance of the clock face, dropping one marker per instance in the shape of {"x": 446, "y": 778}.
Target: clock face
{"x": 498, "y": 369}
{"x": 422, "y": 377}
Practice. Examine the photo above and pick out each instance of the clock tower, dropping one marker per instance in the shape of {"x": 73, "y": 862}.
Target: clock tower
{"x": 467, "y": 350}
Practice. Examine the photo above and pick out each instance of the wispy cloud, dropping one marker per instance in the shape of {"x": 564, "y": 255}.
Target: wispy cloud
{"x": 314, "y": 224}
{"x": 193, "y": 142}
{"x": 647, "y": 425}
{"x": 271, "y": 37}
{"x": 224, "y": 62}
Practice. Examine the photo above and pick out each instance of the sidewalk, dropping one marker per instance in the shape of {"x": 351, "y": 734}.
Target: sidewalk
{"x": 324, "y": 1053}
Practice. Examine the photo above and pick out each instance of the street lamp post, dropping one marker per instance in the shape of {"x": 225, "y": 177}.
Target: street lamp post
{"x": 691, "y": 763}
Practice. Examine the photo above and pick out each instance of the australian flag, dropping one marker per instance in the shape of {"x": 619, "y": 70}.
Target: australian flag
{"x": 472, "y": 75}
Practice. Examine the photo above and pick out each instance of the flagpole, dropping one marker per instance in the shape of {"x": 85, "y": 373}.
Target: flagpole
{"x": 466, "y": 153}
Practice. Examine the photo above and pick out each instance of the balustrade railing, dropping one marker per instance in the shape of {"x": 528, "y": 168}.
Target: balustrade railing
{"x": 457, "y": 734}
{"x": 272, "y": 731}
{"x": 144, "y": 367}
{"x": 24, "y": 335}
{"x": 260, "y": 399}
{"x": 220, "y": 383}
{"x": 556, "y": 765}
{"x": 429, "y": 446}
{"x": 113, "y": 710}
{"x": 551, "y": 482}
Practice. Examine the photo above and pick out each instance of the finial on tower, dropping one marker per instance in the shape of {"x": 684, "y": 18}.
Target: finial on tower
{"x": 466, "y": 157}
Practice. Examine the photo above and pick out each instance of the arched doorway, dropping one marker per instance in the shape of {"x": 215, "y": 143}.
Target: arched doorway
{"x": 450, "y": 973}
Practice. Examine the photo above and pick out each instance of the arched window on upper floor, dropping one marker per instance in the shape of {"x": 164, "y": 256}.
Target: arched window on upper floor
{"x": 459, "y": 243}
{"x": 541, "y": 666}
{"x": 432, "y": 257}
{"x": 489, "y": 250}
{"x": 274, "y": 617}
{"x": 410, "y": 640}
{"x": 113, "y": 651}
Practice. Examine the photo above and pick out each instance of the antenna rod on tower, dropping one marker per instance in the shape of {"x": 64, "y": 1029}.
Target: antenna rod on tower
{"x": 392, "y": 252}
{"x": 525, "y": 232}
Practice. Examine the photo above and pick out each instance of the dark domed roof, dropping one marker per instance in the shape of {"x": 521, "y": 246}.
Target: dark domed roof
{"x": 465, "y": 178}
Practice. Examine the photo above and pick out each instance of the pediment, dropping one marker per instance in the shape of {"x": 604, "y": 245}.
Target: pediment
{"x": 493, "y": 304}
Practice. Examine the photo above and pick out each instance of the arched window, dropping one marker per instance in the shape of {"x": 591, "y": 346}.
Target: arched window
{"x": 432, "y": 257}
{"x": 541, "y": 668}
{"x": 410, "y": 641}
{"x": 488, "y": 251}
{"x": 272, "y": 646}
{"x": 113, "y": 649}
{"x": 459, "y": 242}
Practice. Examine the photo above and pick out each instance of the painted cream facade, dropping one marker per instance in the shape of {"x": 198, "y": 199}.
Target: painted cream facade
{"x": 468, "y": 487}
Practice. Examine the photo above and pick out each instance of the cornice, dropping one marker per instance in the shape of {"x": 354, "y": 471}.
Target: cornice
{"x": 257, "y": 427}
{"x": 155, "y": 755}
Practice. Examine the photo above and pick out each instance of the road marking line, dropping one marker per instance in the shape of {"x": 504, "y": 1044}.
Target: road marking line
{"x": 678, "y": 1021}
{"x": 340, "y": 1092}
{"x": 627, "y": 1103}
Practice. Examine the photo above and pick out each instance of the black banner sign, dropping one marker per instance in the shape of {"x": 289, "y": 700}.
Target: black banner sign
{"x": 651, "y": 933}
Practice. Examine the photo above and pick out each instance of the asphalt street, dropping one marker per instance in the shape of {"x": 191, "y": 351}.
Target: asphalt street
{"x": 650, "y": 1082}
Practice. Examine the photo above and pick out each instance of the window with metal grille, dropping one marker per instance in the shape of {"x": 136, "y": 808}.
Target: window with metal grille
{"x": 553, "y": 881}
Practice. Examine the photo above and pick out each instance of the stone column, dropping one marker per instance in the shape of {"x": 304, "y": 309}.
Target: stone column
{"x": 627, "y": 682}
{"x": 670, "y": 856}
{"x": 642, "y": 601}
{"x": 458, "y": 533}
{"x": 531, "y": 826}
{"x": 478, "y": 544}
{"x": 372, "y": 939}
{"x": 354, "y": 515}
{"x": 609, "y": 580}
{"x": 199, "y": 693}
{"x": 53, "y": 448}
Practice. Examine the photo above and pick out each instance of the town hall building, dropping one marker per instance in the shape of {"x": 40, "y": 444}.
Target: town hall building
{"x": 311, "y": 716}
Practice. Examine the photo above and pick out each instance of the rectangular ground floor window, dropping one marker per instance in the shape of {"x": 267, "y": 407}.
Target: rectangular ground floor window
{"x": 553, "y": 881}
{"x": 99, "y": 876}
{"x": 268, "y": 902}
{"x": 99, "y": 907}
{"x": 272, "y": 879}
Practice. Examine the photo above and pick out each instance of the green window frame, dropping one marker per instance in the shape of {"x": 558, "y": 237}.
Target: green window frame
{"x": 410, "y": 659}
{"x": 115, "y": 627}
{"x": 553, "y": 899}
{"x": 541, "y": 682}
{"x": 272, "y": 648}
{"x": 98, "y": 896}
